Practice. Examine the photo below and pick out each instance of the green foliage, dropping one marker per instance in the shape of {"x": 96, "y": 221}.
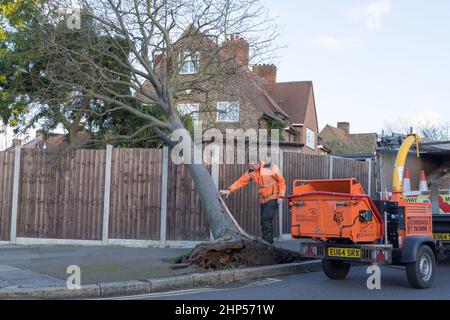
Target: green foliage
{"x": 41, "y": 83}
{"x": 16, "y": 20}
{"x": 275, "y": 124}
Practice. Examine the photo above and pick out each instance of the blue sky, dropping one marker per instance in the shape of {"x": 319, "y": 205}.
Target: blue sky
{"x": 371, "y": 62}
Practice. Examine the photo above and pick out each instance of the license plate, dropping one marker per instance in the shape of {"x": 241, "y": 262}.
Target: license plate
{"x": 441, "y": 236}
{"x": 345, "y": 252}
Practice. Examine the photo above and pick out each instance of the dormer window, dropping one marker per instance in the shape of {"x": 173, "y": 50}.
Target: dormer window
{"x": 190, "y": 63}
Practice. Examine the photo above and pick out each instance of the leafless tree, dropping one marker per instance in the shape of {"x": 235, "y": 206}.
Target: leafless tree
{"x": 429, "y": 129}
{"x": 155, "y": 37}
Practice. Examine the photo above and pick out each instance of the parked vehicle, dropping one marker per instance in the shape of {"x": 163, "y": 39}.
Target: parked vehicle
{"x": 350, "y": 228}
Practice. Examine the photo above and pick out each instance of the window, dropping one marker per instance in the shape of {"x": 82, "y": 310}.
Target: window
{"x": 190, "y": 63}
{"x": 227, "y": 111}
{"x": 310, "y": 139}
{"x": 190, "y": 109}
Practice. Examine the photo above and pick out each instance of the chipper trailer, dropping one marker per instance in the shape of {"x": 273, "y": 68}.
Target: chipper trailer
{"x": 350, "y": 228}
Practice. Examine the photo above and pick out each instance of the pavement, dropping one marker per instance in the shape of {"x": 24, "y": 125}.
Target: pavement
{"x": 46, "y": 266}
{"x": 316, "y": 286}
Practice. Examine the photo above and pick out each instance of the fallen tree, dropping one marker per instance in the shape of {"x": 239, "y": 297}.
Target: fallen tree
{"x": 148, "y": 45}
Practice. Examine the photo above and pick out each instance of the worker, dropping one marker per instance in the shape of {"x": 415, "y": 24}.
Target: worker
{"x": 271, "y": 189}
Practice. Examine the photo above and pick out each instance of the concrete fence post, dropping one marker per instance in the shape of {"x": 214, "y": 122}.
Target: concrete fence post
{"x": 107, "y": 194}
{"x": 164, "y": 187}
{"x": 330, "y": 169}
{"x": 15, "y": 195}
{"x": 281, "y": 207}
{"x": 369, "y": 177}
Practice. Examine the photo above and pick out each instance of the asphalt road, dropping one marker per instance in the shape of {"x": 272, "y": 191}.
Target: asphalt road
{"x": 316, "y": 286}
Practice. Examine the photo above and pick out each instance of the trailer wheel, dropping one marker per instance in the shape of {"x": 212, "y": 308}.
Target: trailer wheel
{"x": 421, "y": 272}
{"x": 335, "y": 269}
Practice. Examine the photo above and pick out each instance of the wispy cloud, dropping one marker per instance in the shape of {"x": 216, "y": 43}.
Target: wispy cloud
{"x": 333, "y": 42}
{"x": 372, "y": 13}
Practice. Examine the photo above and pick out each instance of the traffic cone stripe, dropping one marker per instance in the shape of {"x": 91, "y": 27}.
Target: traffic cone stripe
{"x": 423, "y": 186}
{"x": 406, "y": 181}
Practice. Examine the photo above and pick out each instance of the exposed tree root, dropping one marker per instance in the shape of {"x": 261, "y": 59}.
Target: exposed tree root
{"x": 236, "y": 254}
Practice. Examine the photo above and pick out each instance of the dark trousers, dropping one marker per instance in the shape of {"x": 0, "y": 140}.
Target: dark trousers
{"x": 267, "y": 211}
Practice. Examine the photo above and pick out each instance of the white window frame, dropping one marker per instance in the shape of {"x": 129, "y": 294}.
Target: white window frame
{"x": 192, "y": 60}
{"x": 310, "y": 139}
{"x": 191, "y": 109}
{"x": 224, "y": 108}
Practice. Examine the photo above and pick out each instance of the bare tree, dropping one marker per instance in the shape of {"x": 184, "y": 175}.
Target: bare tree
{"x": 428, "y": 128}
{"x": 157, "y": 37}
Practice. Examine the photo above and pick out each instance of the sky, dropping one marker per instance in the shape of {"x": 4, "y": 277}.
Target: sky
{"x": 371, "y": 62}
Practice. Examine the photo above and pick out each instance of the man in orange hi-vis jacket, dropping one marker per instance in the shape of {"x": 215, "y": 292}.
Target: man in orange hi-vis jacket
{"x": 271, "y": 189}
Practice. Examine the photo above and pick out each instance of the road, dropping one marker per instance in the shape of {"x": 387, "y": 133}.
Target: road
{"x": 316, "y": 286}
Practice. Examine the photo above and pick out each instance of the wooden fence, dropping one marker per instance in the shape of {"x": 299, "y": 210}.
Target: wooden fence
{"x": 134, "y": 196}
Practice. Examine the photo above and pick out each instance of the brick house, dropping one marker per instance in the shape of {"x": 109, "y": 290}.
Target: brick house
{"x": 249, "y": 98}
{"x": 349, "y": 145}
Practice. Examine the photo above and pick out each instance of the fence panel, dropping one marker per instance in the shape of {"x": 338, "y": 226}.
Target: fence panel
{"x": 6, "y": 185}
{"x": 135, "y": 202}
{"x": 347, "y": 168}
{"x": 61, "y": 195}
{"x": 185, "y": 217}
{"x": 244, "y": 204}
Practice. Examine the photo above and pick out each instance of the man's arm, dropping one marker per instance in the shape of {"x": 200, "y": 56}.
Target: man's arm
{"x": 244, "y": 180}
{"x": 281, "y": 185}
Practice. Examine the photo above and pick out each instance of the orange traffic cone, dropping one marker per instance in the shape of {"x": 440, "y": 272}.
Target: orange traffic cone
{"x": 423, "y": 186}
{"x": 406, "y": 181}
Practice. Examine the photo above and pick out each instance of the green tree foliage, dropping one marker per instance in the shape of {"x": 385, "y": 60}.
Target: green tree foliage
{"x": 16, "y": 17}
{"x": 41, "y": 84}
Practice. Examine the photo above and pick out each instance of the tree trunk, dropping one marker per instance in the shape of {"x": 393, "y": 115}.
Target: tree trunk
{"x": 221, "y": 224}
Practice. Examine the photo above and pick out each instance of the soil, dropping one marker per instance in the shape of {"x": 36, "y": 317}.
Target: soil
{"x": 238, "y": 254}
{"x": 443, "y": 175}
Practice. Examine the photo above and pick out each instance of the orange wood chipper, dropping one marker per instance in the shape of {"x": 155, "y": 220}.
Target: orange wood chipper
{"x": 350, "y": 228}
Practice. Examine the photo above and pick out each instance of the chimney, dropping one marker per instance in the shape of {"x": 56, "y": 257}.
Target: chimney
{"x": 157, "y": 58}
{"x": 268, "y": 72}
{"x": 237, "y": 47}
{"x": 344, "y": 126}
{"x": 16, "y": 142}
